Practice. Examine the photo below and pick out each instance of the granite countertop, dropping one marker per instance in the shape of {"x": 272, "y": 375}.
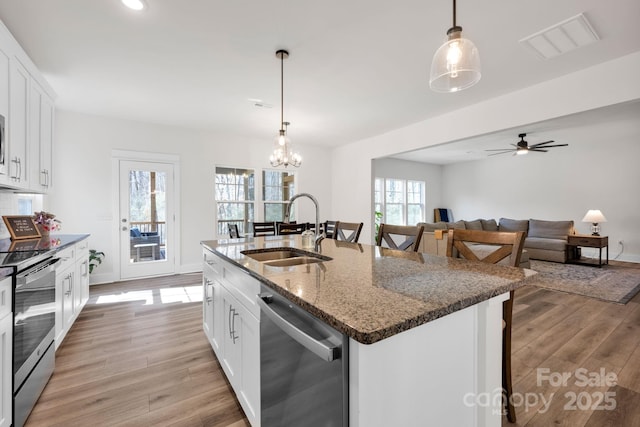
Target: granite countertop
{"x": 14, "y": 253}
{"x": 372, "y": 293}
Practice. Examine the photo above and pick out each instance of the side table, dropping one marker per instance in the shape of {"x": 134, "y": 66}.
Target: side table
{"x": 575, "y": 241}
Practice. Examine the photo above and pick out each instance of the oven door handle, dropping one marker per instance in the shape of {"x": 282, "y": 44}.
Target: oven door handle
{"x": 38, "y": 273}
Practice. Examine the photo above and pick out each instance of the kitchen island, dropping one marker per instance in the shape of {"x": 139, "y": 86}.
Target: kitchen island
{"x": 424, "y": 332}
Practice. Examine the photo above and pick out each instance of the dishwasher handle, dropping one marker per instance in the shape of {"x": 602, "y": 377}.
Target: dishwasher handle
{"x": 326, "y": 352}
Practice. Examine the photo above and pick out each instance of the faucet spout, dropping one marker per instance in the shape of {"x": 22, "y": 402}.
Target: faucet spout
{"x": 287, "y": 213}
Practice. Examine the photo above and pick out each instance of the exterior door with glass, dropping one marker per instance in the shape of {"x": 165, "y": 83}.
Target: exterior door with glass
{"x": 146, "y": 219}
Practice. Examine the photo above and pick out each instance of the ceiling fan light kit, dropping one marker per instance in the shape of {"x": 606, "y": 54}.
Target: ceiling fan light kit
{"x": 523, "y": 147}
{"x": 283, "y": 154}
{"x": 456, "y": 64}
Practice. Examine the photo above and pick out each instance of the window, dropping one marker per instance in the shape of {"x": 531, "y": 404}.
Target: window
{"x": 400, "y": 201}
{"x": 235, "y": 198}
{"x": 277, "y": 188}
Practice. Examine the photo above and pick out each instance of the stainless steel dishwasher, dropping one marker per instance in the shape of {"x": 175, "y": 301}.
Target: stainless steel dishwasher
{"x": 304, "y": 368}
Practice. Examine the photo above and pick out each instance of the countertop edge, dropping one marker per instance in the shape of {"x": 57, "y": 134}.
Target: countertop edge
{"x": 372, "y": 337}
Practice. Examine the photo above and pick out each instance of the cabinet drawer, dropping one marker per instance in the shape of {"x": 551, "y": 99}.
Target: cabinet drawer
{"x": 587, "y": 241}
{"x": 82, "y": 247}
{"x": 211, "y": 261}
{"x": 67, "y": 258}
{"x": 6, "y": 294}
{"x": 242, "y": 286}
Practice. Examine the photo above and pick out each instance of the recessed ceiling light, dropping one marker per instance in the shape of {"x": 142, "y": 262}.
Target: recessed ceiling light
{"x": 135, "y": 4}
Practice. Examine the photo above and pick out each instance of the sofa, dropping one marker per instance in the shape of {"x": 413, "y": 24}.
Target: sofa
{"x": 545, "y": 240}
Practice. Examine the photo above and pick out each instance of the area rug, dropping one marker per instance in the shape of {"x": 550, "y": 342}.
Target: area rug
{"x": 610, "y": 283}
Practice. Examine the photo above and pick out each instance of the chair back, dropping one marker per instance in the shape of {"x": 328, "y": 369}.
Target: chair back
{"x": 329, "y": 227}
{"x": 507, "y": 244}
{"x": 264, "y": 229}
{"x": 233, "y": 231}
{"x": 293, "y": 228}
{"x": 352, "y": 229}
{"x": 402, "y": 237}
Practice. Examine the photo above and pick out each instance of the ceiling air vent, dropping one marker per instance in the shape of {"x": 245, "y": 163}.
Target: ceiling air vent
{"x": 562, "y": 38}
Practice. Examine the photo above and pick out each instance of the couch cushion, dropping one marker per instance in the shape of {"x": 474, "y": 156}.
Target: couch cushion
{"x": 456, "y": 225}
{"x": 550, "y": 229}
{"x": 545, "y": 243}
{"x": 432, "y": 226}
{"x": 473, "y": 225}
{"x": 489, "y": 224}
{"x": 507, "y": 224}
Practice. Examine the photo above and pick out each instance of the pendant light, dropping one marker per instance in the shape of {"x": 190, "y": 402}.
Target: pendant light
{"x": 283, "y": 154}
{"x": 456, "y": 64}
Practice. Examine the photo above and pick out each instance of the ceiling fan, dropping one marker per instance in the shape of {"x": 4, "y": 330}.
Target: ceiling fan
{"x": 523, "y": 147}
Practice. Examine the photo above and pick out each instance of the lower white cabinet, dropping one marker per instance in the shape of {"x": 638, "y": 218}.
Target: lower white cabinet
{"x": 233, "y": 329}
{"x": 6, "y": 353}
{"x": 72, "y": 287}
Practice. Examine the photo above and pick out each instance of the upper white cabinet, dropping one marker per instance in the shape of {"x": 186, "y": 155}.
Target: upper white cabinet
{"x": 4, "y": 111}
{"x": 28, "y": 111}
{"x": 18, "y": 126}
{"x": 41, "y": 118}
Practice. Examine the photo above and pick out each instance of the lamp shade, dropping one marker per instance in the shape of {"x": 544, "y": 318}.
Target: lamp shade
{"x": 455, "y": 65}
{"x": 594, "y": 216}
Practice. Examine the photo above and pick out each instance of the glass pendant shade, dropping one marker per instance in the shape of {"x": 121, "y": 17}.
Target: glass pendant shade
{"x": 283, "y": 154}
{"x": 455, "y": 65}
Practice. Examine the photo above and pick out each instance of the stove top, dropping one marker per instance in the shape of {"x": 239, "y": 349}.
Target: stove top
{"x": 15, "y": 252}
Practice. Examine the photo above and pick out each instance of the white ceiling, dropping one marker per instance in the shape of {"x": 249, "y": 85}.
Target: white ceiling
{"x": 357, "y": 68}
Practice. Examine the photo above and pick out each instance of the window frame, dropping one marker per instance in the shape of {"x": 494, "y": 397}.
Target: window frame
{"x": 380, "y": 195}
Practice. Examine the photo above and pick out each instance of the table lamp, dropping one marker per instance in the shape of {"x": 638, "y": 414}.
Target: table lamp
{"x": 594, "y": 216}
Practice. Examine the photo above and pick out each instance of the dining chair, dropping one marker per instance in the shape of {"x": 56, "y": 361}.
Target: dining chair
{"x": 233, "y": 231}
{"x": 507, "y": 245}
{"x": 329, "y": 227}
{"x": 264, "y": 229}
{"x": 402, "y": 237}
{"x": 353, "y": 230}
{"x": 292, "y": 228}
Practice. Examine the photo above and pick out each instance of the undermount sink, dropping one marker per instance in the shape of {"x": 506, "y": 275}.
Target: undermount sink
{"x": 284, "y": 257}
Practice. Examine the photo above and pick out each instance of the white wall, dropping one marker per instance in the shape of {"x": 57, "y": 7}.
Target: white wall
{"x": 577, "y": 92}
{"x": 83, "y": 190}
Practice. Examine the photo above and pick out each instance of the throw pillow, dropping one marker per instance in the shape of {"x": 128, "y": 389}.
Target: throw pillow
{"x": 507, "y": 224}
{"x": 458, "y": 225}
{"x": 489, "y": 224}
{"x": 550, "y": 229}
{"x": 473, "y": 225}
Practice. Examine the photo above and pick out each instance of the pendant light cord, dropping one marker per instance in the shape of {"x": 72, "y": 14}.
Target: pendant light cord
{"x": 454, "y": 13}
{"x": 281, "y": 90}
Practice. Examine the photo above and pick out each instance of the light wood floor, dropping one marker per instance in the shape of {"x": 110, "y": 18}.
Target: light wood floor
{"x": 137, "y": 364}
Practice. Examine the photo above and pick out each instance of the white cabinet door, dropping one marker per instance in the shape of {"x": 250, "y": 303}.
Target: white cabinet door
{"x": 40, "y": 138}
{"x": 250, "y": 355}
{"x": 6, "y": 353}
{"x": 6, "y": 356}
{"x": 82, "y": 273}
{"x": 64, "y": 303}
{"x": 207, "y": 305}
{"x": 18, "y": 123}
{"x": 232, "y": 358}
{"x": 4, "y": 112}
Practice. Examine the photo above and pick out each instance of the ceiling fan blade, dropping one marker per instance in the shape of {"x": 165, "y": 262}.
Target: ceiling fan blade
{"x": 500, "y": 149}
{"x": 495, "y": 154}
{"x": 557, "y": 145}
{"x": 541, "y": 143}
{"x": 538, "y": 150}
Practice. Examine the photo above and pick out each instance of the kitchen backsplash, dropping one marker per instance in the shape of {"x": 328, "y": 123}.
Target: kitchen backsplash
{"x": 17, "y": 204}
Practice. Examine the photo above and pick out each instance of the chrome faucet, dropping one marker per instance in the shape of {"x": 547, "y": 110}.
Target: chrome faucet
{"x": 287, "y": 213}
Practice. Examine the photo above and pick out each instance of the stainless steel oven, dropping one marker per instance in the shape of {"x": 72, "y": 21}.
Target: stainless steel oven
{"x": 33, "y": 335}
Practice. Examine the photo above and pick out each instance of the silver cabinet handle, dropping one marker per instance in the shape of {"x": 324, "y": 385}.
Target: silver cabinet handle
{"x": 20, "y": 173}
{"x": 326, "y": 352}
{"x": 232, "y": 324}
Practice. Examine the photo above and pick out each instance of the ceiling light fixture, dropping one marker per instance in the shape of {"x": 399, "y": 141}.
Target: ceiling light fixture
{"x": 456, "y": 64}
{"x": 283, "y": 154}
{"x": 135, "y": 4}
